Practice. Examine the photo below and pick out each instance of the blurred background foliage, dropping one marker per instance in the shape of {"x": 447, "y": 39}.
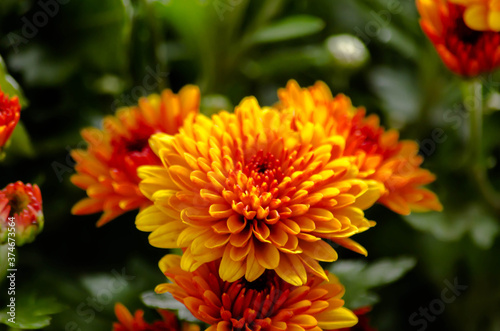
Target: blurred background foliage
{"x": 89, "y": 57}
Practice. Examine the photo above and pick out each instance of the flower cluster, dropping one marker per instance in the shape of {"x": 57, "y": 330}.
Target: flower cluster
{"x": 21, "y": 217}
{"x": 254, "y": 198}
{"x": 245, "y": 188}
{"x": 257, "y": 198}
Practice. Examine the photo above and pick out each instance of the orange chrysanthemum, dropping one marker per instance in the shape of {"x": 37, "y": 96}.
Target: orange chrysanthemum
{"x": 465, "y": 51}
{"x": 246, "y": 188}
{"x": 481, "y": 15}
{"x": 107, "y": 170}
{"x": 268, "y": 303}
{"x": 21, "y": 205}
{"x": 10, "y": 111}
{"x": 169, "y": 322}
{"x": 379, "y": 154}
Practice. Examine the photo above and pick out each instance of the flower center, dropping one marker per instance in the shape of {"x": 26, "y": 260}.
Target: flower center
{"x": 263, "y": 169}
{"x": 254, "y": 186}
{"x": 260, "y": 284}
{"x": 17, "y": 204}
{"x": 136, "y": 145}
{"x": 368, "y": 139}
{"x": 253, "y": 302}
{"x": 128, "y": 154}
{"x": 466, "y": 34}
{"x": 364, "y": 137}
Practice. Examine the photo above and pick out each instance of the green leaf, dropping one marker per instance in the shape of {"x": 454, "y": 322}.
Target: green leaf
{"x": 9, "y": 85}
{"x": 451, "y": 226}
{"x": 398, "y": 92}
{"x": 286, "y": 61}
{"x": 360, "y": 277}
{"x": 387, "y": 271}
{"x": 6, "y": 6}
{"x": 105, "y": 38}
{"x": 287, "y": 28}
{"x": 32, "y": 312}
{"x": 20, "y": 143}
{"x": 167, "y": 301}
{"x": 444, "y": 226}
{"x": 40, "y": 67}
{"x": 485, "y": 230}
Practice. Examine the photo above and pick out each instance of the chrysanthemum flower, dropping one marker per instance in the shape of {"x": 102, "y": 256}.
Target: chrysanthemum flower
{"x": 10, "y": 111}
{"x": 465, "y": 51}
{"x": 363, "y": 320}
{"x": 107, "y": 169}
{"x": 21, "y": 204}
{"x": 481, "y": 15}
{"x": 246, "y": 188}
{"x": 268, "y": 303}
{"x": 379, "y": 154}
{"x": 169, "y": 322}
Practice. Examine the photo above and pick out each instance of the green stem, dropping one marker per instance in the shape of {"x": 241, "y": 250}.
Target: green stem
{"x": 3, "y": 262}
{"x": 266, "y": 13}
{"x": 157, "y": 39}
{"x": 477, "y": 163}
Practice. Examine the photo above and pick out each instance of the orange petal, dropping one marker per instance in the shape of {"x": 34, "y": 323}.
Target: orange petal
{"x": 267, "y": 255}
{"x": 291, "y": 270}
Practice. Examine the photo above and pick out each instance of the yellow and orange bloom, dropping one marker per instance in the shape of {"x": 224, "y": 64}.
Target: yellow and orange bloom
{"x": 20, "y": 204}
{"x": 107, "y": 170}
{"x": 379, "y": 154}
{"x": 268, "y": 303}
{"x": 129, "y": 322}
{"x": 249, "y": 190}
{"x": 466, "y": 40}
{"x": 481, "y": 15}
{"x": 10, "y": 112}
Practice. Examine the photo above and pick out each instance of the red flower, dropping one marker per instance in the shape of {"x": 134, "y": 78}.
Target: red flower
{"x": 465, "y": 51}
{"x": 107, "y": 170}
{"x": 169, "y": 322}
{"x": 22, "y": 205}
{"x": 267, "y": 304}
{"x": 481, "y": 15}
{"x": 10, "y": 111}
{"x": 378, "y": 153}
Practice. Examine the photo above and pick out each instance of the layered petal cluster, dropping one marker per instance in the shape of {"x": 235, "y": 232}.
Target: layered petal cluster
{"x": 107, "y": 169}
{"x": 245, "y": 188}
{"x": 10, "y": 112}
{"x": 269, "y": 303}
{"x": 21, "y": 204}
{"x": 379, "y": 154}
{"x": 481, "y": 15}
{"x": 466, "y": 40}
{"x": 136, "y": 322}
